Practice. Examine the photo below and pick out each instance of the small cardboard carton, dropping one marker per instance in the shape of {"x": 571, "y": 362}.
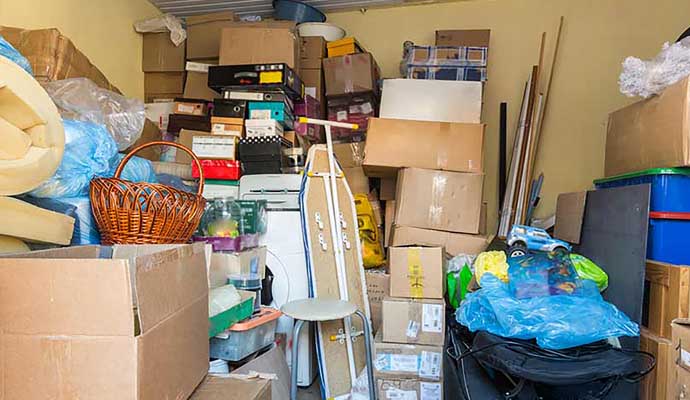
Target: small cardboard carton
{"x": 251, "y": 261}
{"x": 413, "y": 321}
{"x": 394, "y": 143}
{"x": 408, "y": 389}
{"x": 233, "y": 387}
{"x": 98, "y": 322}
{"x": 351, "y": 74}
{"x": 439, "y": 200}
{"x": 679, "y": 360}
{"x": 313, "y": 48}
{"x": 252, "y": 45}
{"x": 417, "y": 272}
{"x": 207, "y": 145}
{"x": 271, "y": 363}
{"x": 164, "y": 83}
{"x": 313, "y": 83}
{"x": 453, "y": 243}
{"x": 388, "y": 186}
{"x": 203, "y": 34}
{"x": 196, "y": 85}
{"x": 408, "y": 361}
{"x": 161, "y": 55}
{"x": 378, "y": 287}
{"x": 358, "y": 182}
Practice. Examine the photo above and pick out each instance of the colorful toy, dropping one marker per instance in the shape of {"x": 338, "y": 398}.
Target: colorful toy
{"x": 522, "y": 239}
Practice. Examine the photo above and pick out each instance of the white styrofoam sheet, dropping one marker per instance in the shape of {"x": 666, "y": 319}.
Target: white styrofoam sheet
{"x": 430, "y": 100}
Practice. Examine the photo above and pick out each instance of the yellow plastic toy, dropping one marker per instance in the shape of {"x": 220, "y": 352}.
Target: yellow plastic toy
{"x": 493, "y": 262}
{"x": 372, "y": 248}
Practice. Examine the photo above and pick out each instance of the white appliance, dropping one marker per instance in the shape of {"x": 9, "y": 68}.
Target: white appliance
{"x": 285, "y": 256}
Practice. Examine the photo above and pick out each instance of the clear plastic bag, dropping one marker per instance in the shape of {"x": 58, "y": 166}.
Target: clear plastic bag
{"x": 82, "y": 100}
{"x": 8, "y": 51}
{"x": 647, "y": 78}
{"x": 556, "y": 322}
{"x": 163, "y": 23}
{"x": 586, "y": 269}
{"x": 542, "y": 274}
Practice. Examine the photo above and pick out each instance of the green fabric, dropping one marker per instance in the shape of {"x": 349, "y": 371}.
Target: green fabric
{"x": 653, "y": 171}
{"x": 586, "y": 269}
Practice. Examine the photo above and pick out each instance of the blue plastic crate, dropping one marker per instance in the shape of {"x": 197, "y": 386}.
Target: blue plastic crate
{"x": 668, "y": 238}
{"x": 670, "y": 190}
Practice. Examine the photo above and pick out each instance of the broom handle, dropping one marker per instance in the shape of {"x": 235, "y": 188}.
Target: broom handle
{"x": 129, "y": 155}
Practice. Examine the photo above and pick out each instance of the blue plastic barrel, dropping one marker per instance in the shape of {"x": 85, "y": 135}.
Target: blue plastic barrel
{"x": 670, "y": 190}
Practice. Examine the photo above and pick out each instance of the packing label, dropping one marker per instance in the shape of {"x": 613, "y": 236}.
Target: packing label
{"x": 403, "y": 363}
{"x": 684, "y": 358}
{"x": 397, "y": 394}
{"x": 260, "y": 114}
{"x": 430, "y": 366}
{"x": 185, "y": 108}
{"x": 429, "y": 391}
{"x": 341, "y": 116}
{"x": 206, "y": 146}
{"x": 412, "y": 329}
{"x": 432, "y": 318}
{"x": 366, "y": 108}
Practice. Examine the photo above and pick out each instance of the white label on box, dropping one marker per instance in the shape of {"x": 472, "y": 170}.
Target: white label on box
{"x": 197, "y": 67}
{"x": 381, "y": 363}
{"x": 685, "y": 357}
{"x": 310, "y": 90}
{"x": 430, "y": 367}
{"x": 397, "y": 394}
{"x": 429, "y": 391}
{"x": 412, "y": 329}
{"x": 432, "y": 318}
{"x": 222, "y": 130}
{"x": 403, "y": 363}
{"x": 183, "y": 108}
{"x": 366, "y": 108}
{"x": 260, "y": 114}
{"x": 341, "y": 116}
{"x": 214, "y": 147}
{"x": 246, "y": 96}
{"x": 354, "y": 109}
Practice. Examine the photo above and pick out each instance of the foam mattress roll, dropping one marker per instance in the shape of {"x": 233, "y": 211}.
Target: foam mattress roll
{"x": 31, "y": 131}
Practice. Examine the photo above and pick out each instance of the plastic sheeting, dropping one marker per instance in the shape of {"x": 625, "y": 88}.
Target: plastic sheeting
{"x": 163, "y": 23}
{"x": 8, "y": 51}
{"x": 556, "y": 322}
{"x": 82, "y": 100}
{"x": 647, "y": 78}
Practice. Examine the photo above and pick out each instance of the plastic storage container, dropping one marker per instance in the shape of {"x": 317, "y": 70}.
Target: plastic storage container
{"x": 344, "y": 47}
{"x": 670, "y": 187}
{"x": 249, "y": 282}
{"x": 668, "y": 238}
{"x": 218, "y": 169}
{"x": 247, "y": 337}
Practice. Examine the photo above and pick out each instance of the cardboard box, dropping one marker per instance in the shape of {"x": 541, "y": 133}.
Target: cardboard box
{"x": 161, "y": 55}
{"x": 98, "y": 322}
{"x": 252, "y": 261}
{"x": 393, "y": 144}
{"x": 190, "y": 107}
{"x": 388, "y": 187}
{"x": 53, "y": 56}
{"x": 432, "y": 100}
{"x": 186, "y": 138}
{"x": 666, "y": 296}
{"x": 358, "y": 182}
{"x": 652, "y": 133}
{"x": 389, "y": 220}
{"x": 313, "y": 48}
{"x": 395, "y": 389}
{"x": 353, "y": 73}
{"x": 227, "y": 126}
{"x": 203, "y": 34}
{"x": 413, "y": 321}
{"x": 453, "y": 243}
{"x": 151, "y": 98}
{"x": 440, "y": 200}
{"x": 408, "y": 361}
{"x": 378, "y": 287}
{"x": 164, "y": 83}
{"x": 570, "y": 212}
{"x": 251, "y": 45}
{"x": 149, "y": 134}
{"x": 233, "y": 387}
{"x": 654, "y": 385}
{"x": 196, "y": 84}
{"x": 313, "y": 84}
{"x": 678, "y": 384}
{"x": 349, "y": 154}
{"x": 463, "y": 37}
{"x": 417, "y": 272}
{"x": 271, "y": 363}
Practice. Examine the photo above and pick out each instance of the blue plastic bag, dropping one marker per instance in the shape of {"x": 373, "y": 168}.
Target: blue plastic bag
{"x": 137, "y": 169}
{"x": 8, "y": 51}
{"x": 556, "y": 322}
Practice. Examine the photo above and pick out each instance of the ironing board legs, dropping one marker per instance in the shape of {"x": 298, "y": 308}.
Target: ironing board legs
{"x": 369, "y": 354}
{"x": 295, "y": 353}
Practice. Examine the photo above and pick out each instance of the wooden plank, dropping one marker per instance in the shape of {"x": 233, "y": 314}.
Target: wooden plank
{"x": 669, "y": 296}
{"x": 655, "y": 385}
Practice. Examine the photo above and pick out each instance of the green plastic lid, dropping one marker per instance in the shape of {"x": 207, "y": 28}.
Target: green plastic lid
{"x": 222, "y": 182}
{"x": 652, "y": 171}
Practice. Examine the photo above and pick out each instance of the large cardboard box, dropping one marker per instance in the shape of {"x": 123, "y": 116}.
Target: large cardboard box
{"x": 313, "y": 83}
{"x": 53, "y": 56}
{"x": 417, "y": 272}
{"x": 389, "y": 220}
{"x": 453, "y": 243}
{"x": 203, "y": 34}
{"x": 233, "y": 387}
{"x": 106, "y": 323}
{"x": 164, "y": 83}
{"x": 196, "y": 84}
{"x": 666, "y": 296}
{"x": 353, "y": 73}
{"x": 388, "y": 187}
{"x": 349, "y": 154}
{"x": 655, "y": 384}
{"x": 408, "y": 361}
{"x": 394, "y": 143}
{"x": 408, "y": 389}
{"x": 432, "y": 100}
{"x": 313, "y": 48}
{"x": 378, "y": 287}
{"x": 463, "y": 37}
{"x": 274, "y": 365}
{"x": 161, "y": 55}
{"x": 357, "y": 180}
{"x": 252, "y": 45}
{"x": 652, "y": 133}
{"x": 440, "y": 200}
{"x": 413, "y": 321}
{"x": 251, "y": 261}
{"x": 678, "y": 384}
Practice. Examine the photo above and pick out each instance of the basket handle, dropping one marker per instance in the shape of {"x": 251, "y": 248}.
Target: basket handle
{"x": 129, "y": 155}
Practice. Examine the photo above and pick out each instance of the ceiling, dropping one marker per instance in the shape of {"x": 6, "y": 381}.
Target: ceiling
{"x": 184, "y": 8}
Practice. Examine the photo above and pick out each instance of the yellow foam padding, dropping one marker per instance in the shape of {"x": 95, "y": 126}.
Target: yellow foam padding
{"x": 25, "y": 108}
{"x": 9, "y": 245}
{"x": 28, "y": 222}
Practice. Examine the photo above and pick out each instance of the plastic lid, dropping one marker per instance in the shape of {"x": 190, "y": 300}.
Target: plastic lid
{"x": 653, "y": 171}
{"x": 245, "y": 281}
{"x": 685, "y": 216}
{"x": 264, "y": 316}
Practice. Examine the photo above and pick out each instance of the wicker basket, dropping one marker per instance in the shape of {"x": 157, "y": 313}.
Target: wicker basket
{"x": 145, "y": 213}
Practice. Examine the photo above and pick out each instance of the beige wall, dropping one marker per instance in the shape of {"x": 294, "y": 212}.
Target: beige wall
{"x": 102, "y": 29}
{"x": 598, "y": 35}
